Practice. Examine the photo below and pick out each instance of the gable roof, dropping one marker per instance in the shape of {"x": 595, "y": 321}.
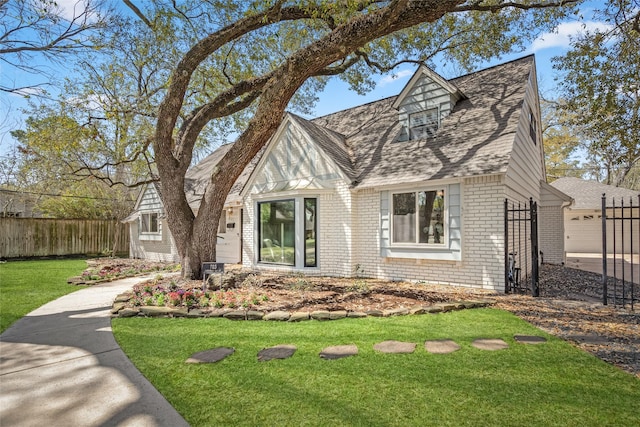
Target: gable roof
{"x": 422, "y": 72}
{"x": 588, "y": 194}
{"x": 475, "y": 139}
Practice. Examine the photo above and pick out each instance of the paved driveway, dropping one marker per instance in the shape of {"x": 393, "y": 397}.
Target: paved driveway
{"x": 61, "y": 366}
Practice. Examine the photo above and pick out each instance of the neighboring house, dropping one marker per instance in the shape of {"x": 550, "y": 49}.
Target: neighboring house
{"x": 149, "y": 235}
{"x": 17, "y": 204}
{"x": 406, "y": 188}
{"x": 583, "y": 219}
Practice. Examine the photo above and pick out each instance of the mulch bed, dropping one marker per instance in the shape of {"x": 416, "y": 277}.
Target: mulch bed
{"x": 570, "y": 307}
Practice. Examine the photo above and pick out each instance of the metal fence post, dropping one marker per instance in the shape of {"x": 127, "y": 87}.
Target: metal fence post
{"x": 533, "y": 215}
{"x": 604, "y": 249}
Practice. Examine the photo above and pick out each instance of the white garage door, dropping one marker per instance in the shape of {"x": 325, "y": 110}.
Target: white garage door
{"x": 583, "y": 232}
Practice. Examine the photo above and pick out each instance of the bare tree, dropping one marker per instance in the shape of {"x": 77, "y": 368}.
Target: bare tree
{"x": 31, "y": 29}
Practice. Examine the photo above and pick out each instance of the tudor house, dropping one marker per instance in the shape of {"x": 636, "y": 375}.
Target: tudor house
{"x": 410, "y": 187}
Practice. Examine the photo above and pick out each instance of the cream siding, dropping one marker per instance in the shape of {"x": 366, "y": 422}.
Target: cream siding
{"x": 526, "y": 168}
{"x": 426, "y": 94}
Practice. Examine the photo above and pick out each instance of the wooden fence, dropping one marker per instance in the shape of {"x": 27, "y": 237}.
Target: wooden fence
{"x": 36, "y": 237}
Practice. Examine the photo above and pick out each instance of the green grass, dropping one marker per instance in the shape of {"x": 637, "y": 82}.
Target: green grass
{"x": 524, "y": 385}
{"x": 26, "y": 285}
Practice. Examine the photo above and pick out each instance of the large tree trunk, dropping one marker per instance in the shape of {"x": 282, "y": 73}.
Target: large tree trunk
{"x": 195, "y": 238}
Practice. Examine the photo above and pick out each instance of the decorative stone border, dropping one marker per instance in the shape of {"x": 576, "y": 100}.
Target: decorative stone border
{"x": 120, "y": 309}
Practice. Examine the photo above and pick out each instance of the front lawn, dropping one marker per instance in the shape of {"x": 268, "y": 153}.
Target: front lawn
{"x": 548, "y": 384}
{"x": 26, "y": 285}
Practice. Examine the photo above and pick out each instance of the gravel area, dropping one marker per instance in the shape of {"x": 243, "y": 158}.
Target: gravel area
{"x": 570, "y": 307}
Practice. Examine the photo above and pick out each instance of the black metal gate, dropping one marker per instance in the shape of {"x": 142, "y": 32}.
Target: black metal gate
{"x": 623, "y": 248}
{"x": 521, "y": 247}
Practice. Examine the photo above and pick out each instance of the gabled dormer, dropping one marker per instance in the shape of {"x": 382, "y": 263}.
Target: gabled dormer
{"x": 423, "y": 103}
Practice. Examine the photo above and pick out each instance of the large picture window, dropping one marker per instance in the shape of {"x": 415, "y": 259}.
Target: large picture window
{"x": 149, "y": 223}
{"x": 287, "y": 232}
{"x": 419, "y": 217}
{"x": 277, "y": 232}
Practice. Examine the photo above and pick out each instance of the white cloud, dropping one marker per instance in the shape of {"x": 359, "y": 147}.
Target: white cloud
{"x": 392, "y": 78}
{"x": 27, "y": 92}
{"x": 562, "y": 34}
{"x": 68, "y": 9}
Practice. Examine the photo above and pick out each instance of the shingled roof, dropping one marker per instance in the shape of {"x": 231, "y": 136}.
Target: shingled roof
{"x": 588, "y": 194}
{"x": 475, "y": 139}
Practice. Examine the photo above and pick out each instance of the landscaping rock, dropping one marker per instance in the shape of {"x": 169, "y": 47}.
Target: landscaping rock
{"x": 441, "y": 346}
{"x": 235, "y": 315}
{"x": 338, "y": 351}
{"x": 433, "y": 309}
{"x": 418, "y": 310}
{"x": 375, "y": 313}
{"x": 218, "y": 312}
{"x": 529, "y": 339}
{"x": 321, "y": 315}
{"x": 490, "y": 344}
{"x": 395, "y": 312}
{"x": 299, "y": 316}
{"x": 117, "y": 307}
{"x": 153, "y": 311}
{"x": 282, "y": 316}
{"x": 211, "y": 356}
{"x": 356, "y": 314}
{"x": 197, "y": 313}
{"x": 255, "y": 315}
{"x": 283, "y": 351}
{"x": 123, "y": 298}
{"x": 128, "y": 312}
{"x": 395, "y": 347}
{"x": 339, "y": 314}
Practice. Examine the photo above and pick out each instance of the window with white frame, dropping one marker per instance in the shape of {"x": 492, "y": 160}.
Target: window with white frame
{"x": 419, "y": 217}
{"x": 149, "y": 223}
{"x": 424, "y": 124}
{"x": 287, "y": 232}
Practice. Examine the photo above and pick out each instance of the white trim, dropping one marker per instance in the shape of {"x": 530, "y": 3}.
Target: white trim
{"x": 299, "y": 230}
{"x": 271, "y": 144}
{"x": 445, "y": 218}
{"x": 422, "y": 71}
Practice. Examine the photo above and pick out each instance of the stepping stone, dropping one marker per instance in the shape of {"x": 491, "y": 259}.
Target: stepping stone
{"x": 338, "y": 351}
{"x": 283, "y": 351}
{"x": 491, "y": 344}
{"x": 211, "y": 356}
{"x": 441, "y": 346}
{"x": 395, "y": 347}
{"x": 529, "y": 339}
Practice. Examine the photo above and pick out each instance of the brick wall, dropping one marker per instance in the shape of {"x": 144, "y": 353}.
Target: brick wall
{"x": 551, "y": 234}
{"x": 482, "y": 262}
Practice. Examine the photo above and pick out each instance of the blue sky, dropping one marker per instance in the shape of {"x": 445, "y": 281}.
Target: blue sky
{"x": 337, "y": 95}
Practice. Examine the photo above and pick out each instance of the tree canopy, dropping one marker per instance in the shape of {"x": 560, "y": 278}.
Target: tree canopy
{"x": 601, "y": 92}
{"x": 191, "y": 71}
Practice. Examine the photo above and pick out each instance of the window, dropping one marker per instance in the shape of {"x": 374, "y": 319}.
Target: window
{"x": 149, "y": 223}
{"x": 287, "y": 232}
{"x": 418, "y": 217}
{"x": 423, "y": 124}
{"x": 533, "y": 126}
{"x": 310, "y": 226}
{"x": 222, "y": 223}
{"x": 277, "y": 232}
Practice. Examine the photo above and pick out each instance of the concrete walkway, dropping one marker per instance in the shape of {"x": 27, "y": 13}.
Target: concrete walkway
{"x": 61, "y": 366}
